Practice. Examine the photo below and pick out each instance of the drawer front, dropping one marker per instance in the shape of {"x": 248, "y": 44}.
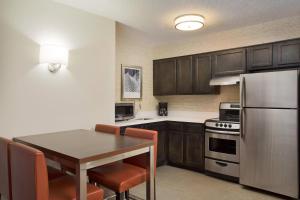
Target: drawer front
{"x": 193, "y": 128}
{"x": 229, "y": 169}
{"x": 175, "y": 126}
{"x": 158, "y": 126}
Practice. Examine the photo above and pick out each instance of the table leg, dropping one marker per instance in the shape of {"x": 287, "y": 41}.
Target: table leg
{"x": 81, "y": 182}
{"x": 151, "y": 194}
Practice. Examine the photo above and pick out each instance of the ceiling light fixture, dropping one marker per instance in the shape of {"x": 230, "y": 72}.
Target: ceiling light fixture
{"x": 189, "y": 22}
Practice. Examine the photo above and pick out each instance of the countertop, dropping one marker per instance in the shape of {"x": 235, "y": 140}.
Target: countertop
{"x": 192, "y": 117}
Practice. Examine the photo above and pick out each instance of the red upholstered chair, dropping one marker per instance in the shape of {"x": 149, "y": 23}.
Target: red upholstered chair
{"x": 107, "y": 129}
{"x": 122, "y": 176}
{"x": 29, "y": 179}
{"x": 5, "y": 186}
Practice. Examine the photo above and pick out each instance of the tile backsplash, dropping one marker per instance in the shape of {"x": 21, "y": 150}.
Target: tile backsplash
{"x": 201, "y": 103}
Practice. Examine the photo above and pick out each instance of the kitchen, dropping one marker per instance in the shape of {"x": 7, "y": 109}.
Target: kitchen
{"x": 262, "y": 150}
{"x": 223, "y": 98}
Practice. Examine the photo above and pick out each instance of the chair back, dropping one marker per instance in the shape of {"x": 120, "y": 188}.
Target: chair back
{"x": 107, "y": 129}
{"x": 29, "y": 177}
{"x": 5, "y": 185}
{"x": 142, "y": 160}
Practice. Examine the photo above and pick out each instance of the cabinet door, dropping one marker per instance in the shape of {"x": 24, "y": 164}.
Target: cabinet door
{"x": 184, "y": 72}
{"x": 164, "y": 77}
{"x": 202, "y": 70}
{"x": 194, "y": 150}
{"x": 175, "y": 147}
{"x": 260, "y": 57}
{"x": 161, "y": 143}
{"x": 229, "y": 62}
{"x": 161, "y": 148}
{"x": 287, "y": 53}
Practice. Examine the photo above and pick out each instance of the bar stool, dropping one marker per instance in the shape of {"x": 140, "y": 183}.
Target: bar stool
{"x": 121, "y": 176}
{"x": 29, "y": 179}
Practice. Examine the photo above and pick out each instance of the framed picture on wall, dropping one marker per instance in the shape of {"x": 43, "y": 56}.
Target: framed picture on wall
{"x": 131, "y": 82}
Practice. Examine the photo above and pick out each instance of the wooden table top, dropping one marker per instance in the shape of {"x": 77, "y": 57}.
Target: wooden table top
{"x": 83, "y": 145}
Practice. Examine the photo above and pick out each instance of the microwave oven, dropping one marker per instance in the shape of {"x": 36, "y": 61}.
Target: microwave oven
{"x": 124, "y": 111}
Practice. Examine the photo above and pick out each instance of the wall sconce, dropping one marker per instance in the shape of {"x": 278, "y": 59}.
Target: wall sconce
{"x": 55, "y": 56}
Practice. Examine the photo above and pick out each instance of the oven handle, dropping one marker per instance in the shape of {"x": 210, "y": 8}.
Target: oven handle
{"x": 222, "y": 164}
{"x": 224, "y": 132}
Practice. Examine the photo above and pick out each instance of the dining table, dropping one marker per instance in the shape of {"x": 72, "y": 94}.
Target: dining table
{"x": 87, "y": 149}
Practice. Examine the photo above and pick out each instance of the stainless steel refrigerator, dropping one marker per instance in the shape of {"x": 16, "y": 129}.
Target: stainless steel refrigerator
{"x": 269, "y": 131}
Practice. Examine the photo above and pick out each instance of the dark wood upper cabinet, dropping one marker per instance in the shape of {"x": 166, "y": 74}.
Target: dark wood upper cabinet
{"x": 191, "y": 74}
{"x": 184, "y": 72}
{"x": 260, "y": 57}
{"x": 287, "y": 53}
{"x": 164, "y": 77}
{"x": 202, "y": 70}
{"x": 229, "y": 62}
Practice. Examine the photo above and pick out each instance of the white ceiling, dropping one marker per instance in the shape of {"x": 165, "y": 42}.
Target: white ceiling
{"x": 156, "y": 17}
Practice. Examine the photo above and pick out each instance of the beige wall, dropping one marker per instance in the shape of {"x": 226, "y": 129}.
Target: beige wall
{"x": 257, "y": 34}
{"x": 134, "y": 48}
{"x": 32, "y": 99}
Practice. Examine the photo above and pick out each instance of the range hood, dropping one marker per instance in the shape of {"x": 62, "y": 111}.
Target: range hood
{"x": 225, "y": 80}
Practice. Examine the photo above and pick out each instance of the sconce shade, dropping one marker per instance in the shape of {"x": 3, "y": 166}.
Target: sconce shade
{"x": 54, "y": 54}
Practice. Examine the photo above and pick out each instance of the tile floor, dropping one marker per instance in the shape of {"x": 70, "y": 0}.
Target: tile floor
{"x": 178, "y": 184}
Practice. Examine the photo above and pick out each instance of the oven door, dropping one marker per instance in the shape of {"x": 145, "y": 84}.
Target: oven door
{"x": 222, "y": 146}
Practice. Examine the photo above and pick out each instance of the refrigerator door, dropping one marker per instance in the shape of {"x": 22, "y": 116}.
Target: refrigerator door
{"x": 270, "y": 89}
{"x": 269, "y": 150}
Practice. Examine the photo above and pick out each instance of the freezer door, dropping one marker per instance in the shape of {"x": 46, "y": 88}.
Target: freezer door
{"x": 270, "y": 89}
{"x": 269, "y": 150}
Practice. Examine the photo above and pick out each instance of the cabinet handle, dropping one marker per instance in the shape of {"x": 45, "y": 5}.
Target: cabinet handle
{"x": 221, "y": 164}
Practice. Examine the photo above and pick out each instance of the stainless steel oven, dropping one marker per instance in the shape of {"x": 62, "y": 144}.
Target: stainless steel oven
{"x": 222, "y": 142}
{"x": 224, "y": 146}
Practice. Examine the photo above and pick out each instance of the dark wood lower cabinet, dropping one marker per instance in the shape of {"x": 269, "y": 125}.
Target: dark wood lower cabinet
{"x": 162, "y": 148}
{"x": 180, "y": 144}
{"x": 160, "y": 127}
{"x": 162, "y": 141}
{"x": 194, "y": 151}
{"x": 175, "y": 147}
{"x": 186, "y": 145}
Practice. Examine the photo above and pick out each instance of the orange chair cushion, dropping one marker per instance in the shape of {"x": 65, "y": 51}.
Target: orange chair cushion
{"x": 5, "y": 183}
{"x": 107, "y": 129}
{"x": 64, "y": 188}
{"x": 142, "y": 160}
{"x": 118, "y": 176}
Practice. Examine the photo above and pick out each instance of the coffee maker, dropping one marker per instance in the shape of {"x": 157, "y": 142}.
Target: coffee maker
{"x": 163, "y": 109}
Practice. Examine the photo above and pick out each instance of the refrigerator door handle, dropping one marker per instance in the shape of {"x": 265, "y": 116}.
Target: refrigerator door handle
{"x": 242, "y": 98}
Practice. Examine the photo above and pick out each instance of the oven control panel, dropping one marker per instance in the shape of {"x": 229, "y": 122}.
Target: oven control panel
{"x": 223, "y": 125}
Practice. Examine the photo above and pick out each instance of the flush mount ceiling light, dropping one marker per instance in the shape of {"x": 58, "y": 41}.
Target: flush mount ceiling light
{"x": 189, "y": 22}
